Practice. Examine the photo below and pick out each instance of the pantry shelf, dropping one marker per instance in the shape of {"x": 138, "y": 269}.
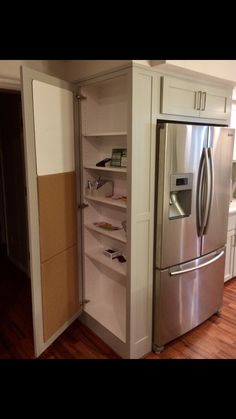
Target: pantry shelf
{"x": 105, "y": 134}
{"x": 114, "y": 265}
{"x": 118, "y": 235}
{"x": 107, "y": 169}
{"x": 108, "y": 201}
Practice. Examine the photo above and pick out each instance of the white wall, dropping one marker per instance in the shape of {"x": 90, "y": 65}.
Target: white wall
{"x": 224, "y": 69}
{"x": 77, "y": 69}
{"x": 10, "y": 69}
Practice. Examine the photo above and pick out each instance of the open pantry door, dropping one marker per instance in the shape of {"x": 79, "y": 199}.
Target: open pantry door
{"x": 52, "y": 198}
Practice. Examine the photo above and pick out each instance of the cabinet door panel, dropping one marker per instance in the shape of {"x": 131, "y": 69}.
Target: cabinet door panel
{"x": 179, "y": 97}
{"x": 215, "y": 103}
{"x": 48, "y": 112}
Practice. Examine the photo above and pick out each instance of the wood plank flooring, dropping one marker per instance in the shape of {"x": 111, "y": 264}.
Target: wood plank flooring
{"x": 214, "y": 339}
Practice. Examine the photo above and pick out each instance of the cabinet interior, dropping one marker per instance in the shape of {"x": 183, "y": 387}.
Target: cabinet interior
{"x": 104, "y": 127}
{"x": 105, "y": 107}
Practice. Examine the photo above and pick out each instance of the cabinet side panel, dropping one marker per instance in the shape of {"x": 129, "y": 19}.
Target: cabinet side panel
{"x": 142, "y": 197}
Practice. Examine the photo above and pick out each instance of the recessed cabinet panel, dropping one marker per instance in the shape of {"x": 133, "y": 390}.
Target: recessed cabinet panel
{"x": 214, "y": 103}
{"x": 179, "y": 97}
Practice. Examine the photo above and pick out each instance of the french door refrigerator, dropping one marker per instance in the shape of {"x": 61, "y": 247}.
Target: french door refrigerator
{"x": 193, "y": 171}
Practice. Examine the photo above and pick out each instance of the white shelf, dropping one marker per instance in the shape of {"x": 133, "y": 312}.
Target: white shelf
{"x": 114, "y": 264}
{"x": 108, "y": 201}
{"x": 107, "y": 168}
{"x": 116, "y": 234}
{"x": 105, "y": 134}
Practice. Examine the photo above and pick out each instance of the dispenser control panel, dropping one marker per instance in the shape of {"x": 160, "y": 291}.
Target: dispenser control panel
{"x": 180, "y": 182}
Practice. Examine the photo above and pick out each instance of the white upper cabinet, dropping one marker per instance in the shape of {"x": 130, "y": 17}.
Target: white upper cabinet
{"x": 188, "y": 98}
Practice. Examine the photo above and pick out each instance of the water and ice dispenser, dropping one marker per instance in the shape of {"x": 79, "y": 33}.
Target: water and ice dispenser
{"x": 180, "y": 195}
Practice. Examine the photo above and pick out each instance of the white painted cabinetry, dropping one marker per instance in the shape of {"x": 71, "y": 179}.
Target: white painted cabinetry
{"x": 116, "y": 113}
{"x": 188, "y": 98}
{"x": 113, "y": 110}
{"x": 230, "y": 260}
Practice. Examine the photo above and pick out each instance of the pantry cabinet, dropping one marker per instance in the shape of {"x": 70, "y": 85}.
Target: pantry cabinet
{"x": 187, "y": 98}
{"x": 118, "y": 293}
{"x": 68, "y": 130}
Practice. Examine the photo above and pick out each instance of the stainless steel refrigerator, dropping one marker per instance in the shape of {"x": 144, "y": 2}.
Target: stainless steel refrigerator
{"x": 193, "y": 171}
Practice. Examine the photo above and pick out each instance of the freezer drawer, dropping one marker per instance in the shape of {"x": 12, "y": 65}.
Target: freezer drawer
{"x": 186, "y": 295}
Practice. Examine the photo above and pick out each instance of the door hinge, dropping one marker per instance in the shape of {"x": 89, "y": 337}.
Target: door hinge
{"x": 84, "y": 302}
{"x": 82, "y": 206}
{"x": 80, "y": 97}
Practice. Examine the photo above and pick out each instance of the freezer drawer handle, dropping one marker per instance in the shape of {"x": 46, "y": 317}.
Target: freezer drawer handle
{"x": 199, "y": 266}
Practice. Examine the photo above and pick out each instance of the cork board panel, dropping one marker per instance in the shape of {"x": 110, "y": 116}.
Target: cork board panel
{"x": 57, "y": 213}
{"x": 60, "y": 290}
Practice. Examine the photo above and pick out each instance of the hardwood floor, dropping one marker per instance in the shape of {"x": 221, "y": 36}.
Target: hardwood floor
{"x": 16, "y": 328}
{"x": 214, "y": 339}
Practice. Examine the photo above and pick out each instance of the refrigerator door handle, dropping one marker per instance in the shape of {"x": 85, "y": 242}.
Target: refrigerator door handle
{"x": 180, "y": 272}
{"x": 199, "y": 194}
{"x": 204, "y": 179}
{"x": 211, "y": 189}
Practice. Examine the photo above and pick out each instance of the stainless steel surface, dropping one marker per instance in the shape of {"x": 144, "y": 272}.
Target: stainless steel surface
{"x": 220, "y": 141}
{"x": 182, "y": 302}
{"x": 195, "y": 266}
{"x": 180, "y": 150}
{"x": 191, "y": 224}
